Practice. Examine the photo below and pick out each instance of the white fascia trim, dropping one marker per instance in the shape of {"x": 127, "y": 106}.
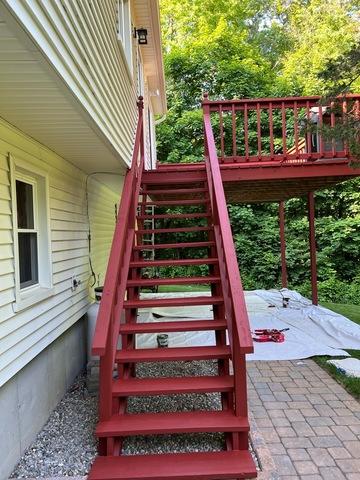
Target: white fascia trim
{"x": 155, "y": 23}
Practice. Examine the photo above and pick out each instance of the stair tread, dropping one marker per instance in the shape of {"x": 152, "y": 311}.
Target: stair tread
{"x": 173, "y": 385}
{"x": 173, "y": 302}
{"x": 174, "y": 230}
{"x": 143, "y": 282}
{"x": 172, "y": 354}
{"x": 160, "y": 246}
{"x": 173, "y": 216}
{"x": 171, "y": 262}
{"x": 195, "y": 201}
{"x": 177, "y": 326}
{"x": 172, "y": 422}
{"x": 176, "y": 466}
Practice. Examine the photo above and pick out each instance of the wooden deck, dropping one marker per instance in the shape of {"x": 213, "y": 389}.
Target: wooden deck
{"x": 253, "y": 183}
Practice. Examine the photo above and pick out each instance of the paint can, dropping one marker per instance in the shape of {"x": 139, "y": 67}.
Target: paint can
{"x": 162, "y": 340}
{"x": 98, "y": 293}
{"x": 285, "y": 302}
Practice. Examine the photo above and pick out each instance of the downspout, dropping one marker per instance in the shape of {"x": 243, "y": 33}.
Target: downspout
{"x": 157, "y": 122}
{"x": 160, "y": 120}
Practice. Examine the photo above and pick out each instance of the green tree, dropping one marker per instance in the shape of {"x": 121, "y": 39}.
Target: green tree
{"x": 253, "y": 48}
{"x": 319, "y": 32}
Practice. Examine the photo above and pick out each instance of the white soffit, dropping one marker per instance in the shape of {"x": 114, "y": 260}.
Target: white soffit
{"x": 147, "y": 15}
{"x": 31, "y": 100}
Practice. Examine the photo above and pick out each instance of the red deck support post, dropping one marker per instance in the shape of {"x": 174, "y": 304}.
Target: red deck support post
{"x": 312, "y": 242}
{"x": 284, "y": 282}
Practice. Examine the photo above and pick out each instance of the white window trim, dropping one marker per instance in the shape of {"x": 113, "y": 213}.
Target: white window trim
{"x": 128, "y": 57}
{"x": 28, "y": 296}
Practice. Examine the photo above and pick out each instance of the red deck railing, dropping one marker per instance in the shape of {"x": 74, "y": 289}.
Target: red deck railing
{"x": 291, "y": 130}
{"x": 108, "y": 322}
{"x": 234, "y": 299}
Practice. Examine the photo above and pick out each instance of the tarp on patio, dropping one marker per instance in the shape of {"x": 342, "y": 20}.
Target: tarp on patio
{"x": 313, "y": 330}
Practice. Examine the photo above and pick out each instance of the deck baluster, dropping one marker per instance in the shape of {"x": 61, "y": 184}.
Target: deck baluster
{"x": 283, "y": 123}
{"x": 271, "y": 130}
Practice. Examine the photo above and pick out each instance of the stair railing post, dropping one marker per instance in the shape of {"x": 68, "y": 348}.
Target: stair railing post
{"x": 140, "y": 105}
{"x": 240, "y": 393}
{"x": 138, "y": 163}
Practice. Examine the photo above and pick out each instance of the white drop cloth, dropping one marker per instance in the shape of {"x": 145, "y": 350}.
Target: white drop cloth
{"x": 313, "y": 330}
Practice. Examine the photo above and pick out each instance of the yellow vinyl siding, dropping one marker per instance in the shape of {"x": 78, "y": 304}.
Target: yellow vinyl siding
{"x": 26, "y": 333}
{"x": 79, "y": 40}
{"x": 102, "y": 221}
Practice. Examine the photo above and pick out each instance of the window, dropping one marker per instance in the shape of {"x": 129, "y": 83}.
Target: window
{"x": 124, "y": 31}
{"x": 31, "y": 235}
{"x": 27, "y": 233}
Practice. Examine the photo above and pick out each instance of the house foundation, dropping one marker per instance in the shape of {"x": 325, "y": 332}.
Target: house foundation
{"x": 28, "y": 398}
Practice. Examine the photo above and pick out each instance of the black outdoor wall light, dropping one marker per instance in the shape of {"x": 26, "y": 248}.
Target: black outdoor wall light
{"x": 141, "y": 34}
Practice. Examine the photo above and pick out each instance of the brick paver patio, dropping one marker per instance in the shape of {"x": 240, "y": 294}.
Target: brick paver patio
{"x": 310, "y": 423}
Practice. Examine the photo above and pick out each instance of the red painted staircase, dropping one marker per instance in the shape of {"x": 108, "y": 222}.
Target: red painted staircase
{"x": 128, "y": 273}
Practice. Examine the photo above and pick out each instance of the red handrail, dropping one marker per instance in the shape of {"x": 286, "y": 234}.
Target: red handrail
{"x": 108, "y": 321}
{"x": 235, "y": 307}
{"x": 269, "y": 129}
{"x": 227, "y": 104}
{"x": 233, "y": 294}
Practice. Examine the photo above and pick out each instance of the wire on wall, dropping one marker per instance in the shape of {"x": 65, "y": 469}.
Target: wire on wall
{"x": 93, "y": 277}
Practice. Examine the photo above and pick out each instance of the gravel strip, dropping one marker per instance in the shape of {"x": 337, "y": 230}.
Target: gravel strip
{"x": 66, "y": 446}
{"x": 177, "y": 369}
